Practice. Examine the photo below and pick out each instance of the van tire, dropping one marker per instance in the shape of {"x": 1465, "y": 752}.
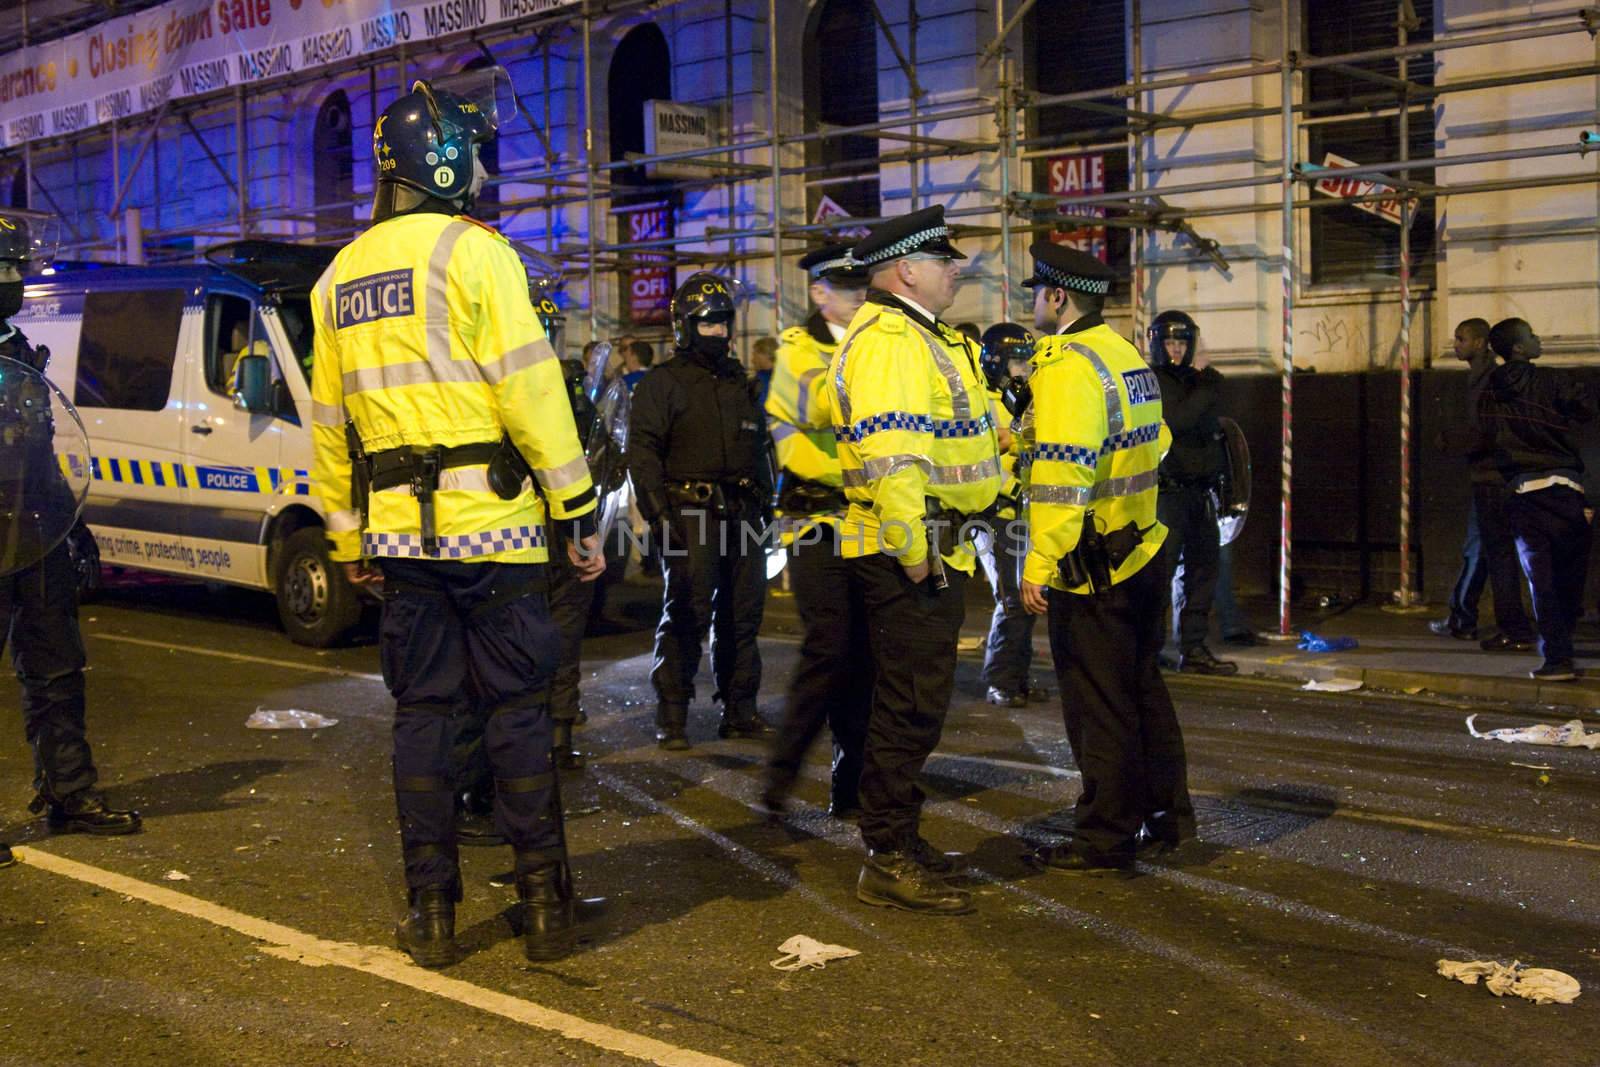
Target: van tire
{"x": 85, "y": 554}
{"x": 316, "y": 605}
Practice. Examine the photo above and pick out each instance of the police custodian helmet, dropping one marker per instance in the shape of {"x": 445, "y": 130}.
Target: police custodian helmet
{"x": 424, "y": 140}
{"x": 703, "y": 297}
{"x": 1001, "y": 344}
{"x": 1172, "y": 326}
{"x": 16, "y": 245}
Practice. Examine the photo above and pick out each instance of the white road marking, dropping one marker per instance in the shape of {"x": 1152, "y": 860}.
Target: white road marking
{"x": 389, "y": 964}
{"x": 196, "y": 650}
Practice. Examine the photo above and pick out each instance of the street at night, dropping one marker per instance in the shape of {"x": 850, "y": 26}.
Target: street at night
{"x": 1349, "y": 842}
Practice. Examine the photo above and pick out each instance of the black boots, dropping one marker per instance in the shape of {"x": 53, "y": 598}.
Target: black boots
{"x": 544, "y": 914}
{"x": 428, "y": 932}
{"x": 562, "y": 754}
{"x": 1199, "y": 660}
{"x": 897, "y": 880}
{"x": 85, "y": 812}
{"x": 672, "y": 721}
{"x": 6, "y": 857}
{"x": 743, "y": 722}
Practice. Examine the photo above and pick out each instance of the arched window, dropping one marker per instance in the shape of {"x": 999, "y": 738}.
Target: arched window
{"x": 641, "y": 69}
{"x": 487, "y": 207}
{"x": 1093, "y": 56}
{"x": 19, "y": 186}
{"x": 841, "y": 89}
{"x": 333, "y": 163}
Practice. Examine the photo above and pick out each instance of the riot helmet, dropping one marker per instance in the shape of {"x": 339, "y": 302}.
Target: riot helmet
{"x": 1173, "y": 326}
{"x": 1001, "y": 345}
{"x": 16, "y": 249}
{"x": 427, "y": 140}
{"x": 703, "y": 297}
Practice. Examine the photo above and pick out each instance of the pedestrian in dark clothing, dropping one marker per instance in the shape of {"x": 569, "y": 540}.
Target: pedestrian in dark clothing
{"x": 698, "y": 455}
{"x": 1489, "y": 551}
{"x": 1528, "y": 416}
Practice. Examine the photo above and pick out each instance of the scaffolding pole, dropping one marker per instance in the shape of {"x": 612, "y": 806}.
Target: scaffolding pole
{"x": 1286, "y": 508}
{"x": 1136, "y": 239}
{"x": 1005, "y": 117}
{"x": 588, "y": 167}
{"x": 1405, "y": 20}
{"x": 777, "y": 168}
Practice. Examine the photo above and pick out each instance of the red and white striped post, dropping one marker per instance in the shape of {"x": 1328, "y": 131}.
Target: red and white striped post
{"x": 1288, "y": 323}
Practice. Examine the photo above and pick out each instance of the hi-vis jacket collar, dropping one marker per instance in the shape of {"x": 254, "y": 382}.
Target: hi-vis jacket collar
{"x": 1056, "y": 347}
{"x": 889, "y": 300}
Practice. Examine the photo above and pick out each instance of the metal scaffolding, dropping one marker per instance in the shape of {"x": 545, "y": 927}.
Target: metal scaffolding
{"x": 1144, "y": 208}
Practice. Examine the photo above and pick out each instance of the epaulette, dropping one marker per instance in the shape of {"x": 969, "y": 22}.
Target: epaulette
{"x": 794, "y": 335}
{"x": 892, "y": 320}
{"x": 485, "y": 226}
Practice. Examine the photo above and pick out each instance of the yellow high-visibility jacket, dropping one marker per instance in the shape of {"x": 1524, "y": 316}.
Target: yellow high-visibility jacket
{"x": 1092, "y": 438}
{"x": 800, "y": 415}
{"x": 1010, "y": 484}
{"x": 424, "y": 336}
{"x": 911, "y": 415}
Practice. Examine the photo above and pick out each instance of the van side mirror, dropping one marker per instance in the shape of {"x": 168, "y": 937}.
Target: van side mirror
{"x": 252, "y": 384}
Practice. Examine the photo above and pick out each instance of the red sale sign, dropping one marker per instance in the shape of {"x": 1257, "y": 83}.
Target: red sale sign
{"x": 649, "y": 286}
{"x": 1079, "y": 175}
{"x": 1360, "y": 185}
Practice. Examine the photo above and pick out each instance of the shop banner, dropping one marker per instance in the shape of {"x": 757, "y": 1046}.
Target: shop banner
{"x": 132, "y": 64}
{"x": 650, "y": 284}
{"x": 1079, "y": 175}
{"x": 1360, "y": 185}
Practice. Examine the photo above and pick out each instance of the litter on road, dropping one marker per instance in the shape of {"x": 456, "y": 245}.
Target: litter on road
{"x": 802, "y": 951}
{"x": 1570, "y": 734}
{"x": 287, "y": 719}
{"x": 1333, "y": 685}
{"x": 1310, "y": 642}
{"x": 1538, "y": 984}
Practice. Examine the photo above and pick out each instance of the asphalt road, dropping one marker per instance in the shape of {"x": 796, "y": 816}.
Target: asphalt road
{"x": 1353, "y": 840}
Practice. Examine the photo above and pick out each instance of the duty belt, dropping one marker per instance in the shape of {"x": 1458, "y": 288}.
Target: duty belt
{"x": 722, "y": 497}
{"x": 420, "y": 468}
{"x": 802, "y": 496}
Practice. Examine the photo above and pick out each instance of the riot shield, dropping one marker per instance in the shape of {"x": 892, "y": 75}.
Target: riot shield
{"x": 44, "y": 466}
{"x": 1233, "y": 495}
{"x": 595, "y": 380}
{"x": 606, "y": 450}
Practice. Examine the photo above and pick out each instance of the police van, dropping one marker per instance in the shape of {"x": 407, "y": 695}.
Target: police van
{"x": 194, "y": 385}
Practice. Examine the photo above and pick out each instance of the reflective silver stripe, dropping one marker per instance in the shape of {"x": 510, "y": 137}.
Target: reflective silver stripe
{"x": 518, "y": 359}
{"x": 419, "y": 372}
{"x": 838, "y": 378}
{"x": 1132, "y": 485}
{"x": 344, "y": 521}
{"x": 805, "y": 389}
{"x": 437, "y": 323}
{"x": 1107, "y": 383}
{"x": 960, "y": 404}
{"x": 327, "y": 414}
{"x": 553, "y": 478}
{"x": 1061, "y": 494}
{"x": 782, "y": 431}
{"x": 473, "y": 479}
{"x": 959, "y": 474}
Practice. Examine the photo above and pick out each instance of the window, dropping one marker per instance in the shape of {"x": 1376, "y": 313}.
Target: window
{"x": 228, "y": 334}
{"x": 126, "y": 351}
{"x": 333, "y": 164}
{"x": 641, "y": 69}
{"x": 1348, "y": 244}
{"x": 841, "y": 89}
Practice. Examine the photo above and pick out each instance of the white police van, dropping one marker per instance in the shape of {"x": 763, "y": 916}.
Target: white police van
{"x": 200, "y": 459}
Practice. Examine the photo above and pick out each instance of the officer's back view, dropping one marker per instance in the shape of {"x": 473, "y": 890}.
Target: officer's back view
{"x": 435, "y": 395}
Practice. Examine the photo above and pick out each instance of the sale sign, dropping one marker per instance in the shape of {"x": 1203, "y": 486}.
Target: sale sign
{"x": 1361, "y": 185}
{"x": 649, "y": 284}
{"x": 1079, "y": 175}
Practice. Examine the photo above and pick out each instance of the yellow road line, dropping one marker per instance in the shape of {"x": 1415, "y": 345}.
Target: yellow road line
{"x": 389, "y": 964}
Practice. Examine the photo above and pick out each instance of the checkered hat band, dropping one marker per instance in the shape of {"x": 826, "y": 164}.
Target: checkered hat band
{"x": 842, "y": 263}
{"x": 905, "y": 246}
{"x": 1063, "y": 280}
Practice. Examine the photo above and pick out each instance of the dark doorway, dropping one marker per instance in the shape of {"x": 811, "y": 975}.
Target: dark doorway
{"x": 334, "y": 164}
{"x": 641, "y": 69}
{"x": 841, "y": 89}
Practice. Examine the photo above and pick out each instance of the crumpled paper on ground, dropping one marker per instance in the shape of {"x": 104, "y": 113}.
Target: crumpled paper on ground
{"x": 287, "y": 719}
{"x": 1538, "y": 984}
{"x": 802, "y": 951}
{"x": 1570, "y": 734}
{"x": 1333, "y": 685}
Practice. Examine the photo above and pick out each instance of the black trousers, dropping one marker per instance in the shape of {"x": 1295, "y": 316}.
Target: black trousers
{"x": 716, "y": 574}
{"x": 913, "y": 641}
{"x": 1120, "y": 721}
{"x": 1553, "y": 541}
{"x": 1008, "y": 654}
{"x": 1193, "y": 542}
{"x": 1497, "y": 543}
{"x": 832, "y": 682}
{"x": 40, "y": 607}
{"x": 459, "y": 641}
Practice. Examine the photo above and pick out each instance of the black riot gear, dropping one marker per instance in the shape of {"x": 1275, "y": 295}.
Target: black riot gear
{"x": 427, "y": 140}
{"x": 703, "y": 297}
{"x": 1001, "y": 345}
{"x": 1172, "y": 326}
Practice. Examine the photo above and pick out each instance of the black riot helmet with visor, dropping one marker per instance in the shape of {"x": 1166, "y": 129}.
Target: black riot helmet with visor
{"x": 1173, "y": 326}
{"x": 1003, "y": 344}
{"x": 428, "y": 138}
{"x": 703, "y": 297}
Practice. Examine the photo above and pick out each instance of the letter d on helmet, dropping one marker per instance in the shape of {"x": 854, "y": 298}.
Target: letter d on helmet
{"x": 425, "y": 140}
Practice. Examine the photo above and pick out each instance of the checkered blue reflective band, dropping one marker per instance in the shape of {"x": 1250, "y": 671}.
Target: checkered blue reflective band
{"x": 1139, "y": 435}
{"x": 1065, "y": 280}
{"x": 842, "y": 263}
{"x": 464, "y": 546}
{"x": 905, "y": 246}
{"x": 1083, "y": 457}
{"x": 901, "y": 420}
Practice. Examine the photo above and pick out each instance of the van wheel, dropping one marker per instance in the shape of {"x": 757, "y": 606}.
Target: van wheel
{"x": 85, "y": 554}
{"x": 315, "y": 604}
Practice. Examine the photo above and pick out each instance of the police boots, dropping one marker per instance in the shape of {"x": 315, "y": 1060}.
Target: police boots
{"x": 85, "y": 812}
{"x": 742, "y": 721}
{"x": 562, "y": 753}
{"x": 672, "y": 722}
{"x": 428, "y": 932}
{"x": 897, "y": 880}
{"x": 1199, "y": 660}
{"x": 544, "y": 915}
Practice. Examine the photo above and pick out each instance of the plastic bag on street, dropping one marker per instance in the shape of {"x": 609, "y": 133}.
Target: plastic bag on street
{"x": 1570, "y": 734}
{"x": 802, "y": 951}
{"x": 1538, "y": 984}
{"x": 1310, "y": 642}
{"x": 1333, "y": 685}
{"x": 287, "y": 719}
